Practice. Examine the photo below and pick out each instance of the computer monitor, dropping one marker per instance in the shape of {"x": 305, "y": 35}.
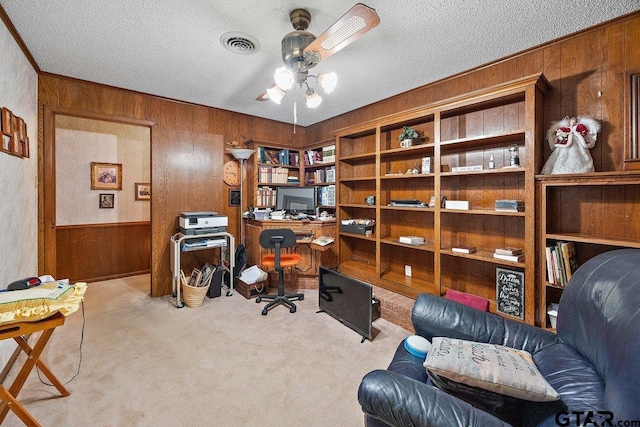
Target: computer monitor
{"x": 296, "y": 200}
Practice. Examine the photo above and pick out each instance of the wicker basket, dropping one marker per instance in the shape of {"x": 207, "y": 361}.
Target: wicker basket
{"x": 194, "y": 295}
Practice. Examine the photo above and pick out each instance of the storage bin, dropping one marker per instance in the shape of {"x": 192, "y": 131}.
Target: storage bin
{"x": 365, "y": 230}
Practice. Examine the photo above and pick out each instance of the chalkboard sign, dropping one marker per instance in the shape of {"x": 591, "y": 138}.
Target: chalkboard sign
{"x": 510, "y": 292}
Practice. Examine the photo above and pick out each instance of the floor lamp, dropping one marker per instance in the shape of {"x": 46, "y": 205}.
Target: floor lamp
{"x": 241, "y": 154}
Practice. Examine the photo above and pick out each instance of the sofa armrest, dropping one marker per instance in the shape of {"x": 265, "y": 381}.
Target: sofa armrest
{"x": 434, "y": 316}
{"x": 400, "y": 401}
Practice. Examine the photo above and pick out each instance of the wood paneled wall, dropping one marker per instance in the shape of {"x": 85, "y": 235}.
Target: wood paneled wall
{"x": 103, "y": 251}
{"x": 586, "y": 71}
{"x": 187, "y": 154}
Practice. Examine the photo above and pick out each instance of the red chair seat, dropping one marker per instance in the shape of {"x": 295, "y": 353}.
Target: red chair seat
{"x": 286, "y": 260}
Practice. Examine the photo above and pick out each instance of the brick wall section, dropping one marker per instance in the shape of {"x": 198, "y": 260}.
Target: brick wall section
{"x": 395, "y": 308}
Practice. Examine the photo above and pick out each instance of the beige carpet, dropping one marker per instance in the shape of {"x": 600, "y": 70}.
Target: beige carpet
{"x": 147, "y": 363}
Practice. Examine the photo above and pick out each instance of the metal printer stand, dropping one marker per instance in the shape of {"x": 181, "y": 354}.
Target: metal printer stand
{"x": 178, "y": 241}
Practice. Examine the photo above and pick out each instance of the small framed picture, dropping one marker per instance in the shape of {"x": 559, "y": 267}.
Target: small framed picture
{"x": 106, "y": 176}
{"x": 106, "y": 201}
{"x": 6, "y": 121}
{"x": 6, "y": 143}
{"x": 16, "y": 147}
{"x": 143, "y": 191}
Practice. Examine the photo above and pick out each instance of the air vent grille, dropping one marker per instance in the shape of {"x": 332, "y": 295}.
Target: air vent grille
{"x": 240, "y": 43}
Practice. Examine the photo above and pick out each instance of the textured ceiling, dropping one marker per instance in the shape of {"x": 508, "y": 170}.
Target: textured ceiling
{"x": 173, "y": 49}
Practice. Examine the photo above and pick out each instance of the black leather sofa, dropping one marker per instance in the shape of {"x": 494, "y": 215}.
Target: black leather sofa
{"x": 593, "y": 361}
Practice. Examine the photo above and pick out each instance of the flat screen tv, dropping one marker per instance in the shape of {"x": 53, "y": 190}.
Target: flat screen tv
{"x": 296, "y": 200}
{"x": 349, "y": 300}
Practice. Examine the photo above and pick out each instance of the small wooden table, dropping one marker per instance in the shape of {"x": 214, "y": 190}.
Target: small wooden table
{"x": 17, "y": 331}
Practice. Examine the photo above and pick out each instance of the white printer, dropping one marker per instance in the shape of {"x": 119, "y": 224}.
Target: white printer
{"x": 202, "y": 222}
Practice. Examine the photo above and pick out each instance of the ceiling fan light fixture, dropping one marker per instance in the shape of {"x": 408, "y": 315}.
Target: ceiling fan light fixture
{"x": 313, "y": 99}
{"x": 275, "y": 94}
{"x": 283, "y": 78}
{"x": 327, "y": 81}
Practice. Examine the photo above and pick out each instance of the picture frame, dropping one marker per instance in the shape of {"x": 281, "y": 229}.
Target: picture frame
{"x": 6, "y": 121}
{"x": 107, "y": 201}
{"x": 6, "y": 143}
{"x": 16, "y": 148}
{"x": 510, "y": 292}
{"x": 106, "y": 176}
{"x": 143, "y": 190}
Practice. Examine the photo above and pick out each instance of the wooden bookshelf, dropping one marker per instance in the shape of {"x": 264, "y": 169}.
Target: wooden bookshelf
{"x": 462, "y": 131}
{"x": 597, "y": 211}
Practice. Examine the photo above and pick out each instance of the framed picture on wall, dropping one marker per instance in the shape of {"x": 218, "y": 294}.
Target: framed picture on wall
{"x": 106, "y": 201}
{"x": 143, "y": 191}
{"x": 106, "y": 176}
{"x": 6, "y": 121}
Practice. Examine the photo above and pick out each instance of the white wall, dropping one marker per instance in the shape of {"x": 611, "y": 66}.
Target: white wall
{"x": 82, "y": 141}
{"x": 18, "y": 177}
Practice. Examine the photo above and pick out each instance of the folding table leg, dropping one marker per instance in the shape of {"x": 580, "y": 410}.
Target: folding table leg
{"x": 33, "y": 356}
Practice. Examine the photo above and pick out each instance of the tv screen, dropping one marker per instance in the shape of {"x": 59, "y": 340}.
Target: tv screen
{"x": 296, "y": 199}
{"x": 347, "y": 299}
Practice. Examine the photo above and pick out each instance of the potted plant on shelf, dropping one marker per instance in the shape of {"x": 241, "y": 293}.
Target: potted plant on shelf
{"x": 408, "y": 136}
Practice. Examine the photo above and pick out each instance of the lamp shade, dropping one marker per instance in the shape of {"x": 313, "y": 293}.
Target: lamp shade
{"x": 328, "y": 81}
{"x": 241, "y": 153}
{"x": 275, "y": 94}
{"x": 283, "y": 78}
{"x": 313, "y": 99}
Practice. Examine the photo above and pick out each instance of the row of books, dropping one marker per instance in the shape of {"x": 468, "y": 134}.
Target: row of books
{"x": 321, "y": 176}
{"x": 266, "y": 196}
{"x": 327, "y": 195}
{"x": 271, "y": 174}
{"x": 562, "y": 262}
{"x": 278, "y": 156}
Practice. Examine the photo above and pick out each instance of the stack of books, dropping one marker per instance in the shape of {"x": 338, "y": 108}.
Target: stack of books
{"x": 411, "y": 240}
{"x": 505, "y": 205}
{"x": 508, "y": 253}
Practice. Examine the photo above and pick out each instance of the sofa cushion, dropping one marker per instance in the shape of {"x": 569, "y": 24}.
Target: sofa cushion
{"x": 492, "y": 367}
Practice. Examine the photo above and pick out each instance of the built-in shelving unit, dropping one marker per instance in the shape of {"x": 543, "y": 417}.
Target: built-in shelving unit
{"x": 466, "y": 131}
{"x": 597, "y": 212}
{"x": 275, "y": 165}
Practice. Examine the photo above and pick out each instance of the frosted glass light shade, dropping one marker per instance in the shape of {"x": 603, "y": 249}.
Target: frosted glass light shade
{"x": 313, "y": 99}
{"x": 283, "y": 78}
{"x": 241, "y": 153}
{"x": 275, "y": 94}
{"x": 328, "y": 81}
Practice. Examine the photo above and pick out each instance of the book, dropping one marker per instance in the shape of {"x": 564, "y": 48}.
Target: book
{"x": 411, "y": 240}
{"x": 508, "y": 250}
{"x": 464, "y": 249}
{"x": 456, "y": 204}
{"x": 323, "y": 240}
{"x": 509, "y": 205}
{"x": 514, "y": 258}
{"x": 570, "y": 258}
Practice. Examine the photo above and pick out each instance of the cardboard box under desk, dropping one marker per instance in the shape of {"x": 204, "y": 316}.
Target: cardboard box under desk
{"x": 252, "y": 290}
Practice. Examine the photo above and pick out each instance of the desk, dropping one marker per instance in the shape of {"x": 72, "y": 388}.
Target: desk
{"x": 17, "y": 331}
{"x": 305, "y": 275}
{"x": 177, "y": 242}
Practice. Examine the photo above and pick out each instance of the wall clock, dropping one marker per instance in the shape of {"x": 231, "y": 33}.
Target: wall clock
{"x": 231, "y": 173}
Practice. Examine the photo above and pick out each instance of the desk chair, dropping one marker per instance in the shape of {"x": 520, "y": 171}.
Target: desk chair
{"x": 276, "y": 239}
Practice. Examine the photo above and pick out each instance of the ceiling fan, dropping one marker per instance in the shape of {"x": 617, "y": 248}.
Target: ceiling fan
{"x": 302, "y": 51}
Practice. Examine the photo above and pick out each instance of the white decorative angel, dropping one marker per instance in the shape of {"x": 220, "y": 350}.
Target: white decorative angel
{"x": 570, "y": 139}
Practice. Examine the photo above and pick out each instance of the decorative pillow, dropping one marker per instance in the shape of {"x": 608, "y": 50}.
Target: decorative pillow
{"x": 40, "y": 302}
{"x": 490, "y": 367}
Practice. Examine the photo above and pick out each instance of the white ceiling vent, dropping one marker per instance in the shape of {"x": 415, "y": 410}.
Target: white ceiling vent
{"x": 240, "y": 43}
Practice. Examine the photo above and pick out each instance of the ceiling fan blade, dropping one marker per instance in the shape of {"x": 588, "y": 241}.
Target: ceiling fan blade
{"x": 353, "y": 24}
